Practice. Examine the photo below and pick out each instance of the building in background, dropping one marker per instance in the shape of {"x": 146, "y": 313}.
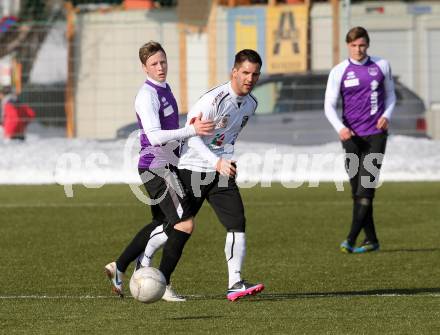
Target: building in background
{"x": 80, "y": 68}
{"x": 9, "y": 8}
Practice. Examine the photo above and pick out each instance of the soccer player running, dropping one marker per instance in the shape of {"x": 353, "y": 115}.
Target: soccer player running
{"x": 367, "y": 89}
{"x": 207, "y": 172}
{"x": 157, "y": 114}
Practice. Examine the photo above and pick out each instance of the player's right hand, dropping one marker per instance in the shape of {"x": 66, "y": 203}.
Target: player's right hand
{"x": 226, "y": 167}
{"x": 202, "y": 127}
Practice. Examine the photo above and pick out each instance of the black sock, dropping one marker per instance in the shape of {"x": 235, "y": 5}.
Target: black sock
{"x": 370, "y": 230}
{"x": 136, "y": 246}
{"x": 172, "y": 252}
{"x": 360, "y": 213}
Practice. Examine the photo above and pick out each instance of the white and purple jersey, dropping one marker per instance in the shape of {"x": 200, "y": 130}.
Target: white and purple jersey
{"x": 156, "y": 109}
{"x": 367, "y": 91}
{"x": 230, "y": 113}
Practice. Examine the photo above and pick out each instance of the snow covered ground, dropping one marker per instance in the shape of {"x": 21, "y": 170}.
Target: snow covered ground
{"x": 48, "y": 160}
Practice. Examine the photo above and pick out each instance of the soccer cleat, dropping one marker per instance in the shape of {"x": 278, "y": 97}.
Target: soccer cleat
{"x": 366, "y": 247}
{"x": 346, "y": 247}
{"x": 171, "y": 296}
{"x": 115, "y": 277}
{"x": 243, "y": 288}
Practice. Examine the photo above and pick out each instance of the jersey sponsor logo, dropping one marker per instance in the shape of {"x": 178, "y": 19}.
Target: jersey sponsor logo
{"x": 217, "y": 98}
{"x": 351, "y": 82}
{"x": 374, "y": 100}
{"x": 373, "y": 71}
{"x": 168, "y": 111}
{"x": 244, "y": 121}
{"x": 167, "y": 107}
{"x": 223, "y": 123}
{"x": 217, "y": 141}
{"x": 351, "y": 75}
{"x": 165, "y": 102}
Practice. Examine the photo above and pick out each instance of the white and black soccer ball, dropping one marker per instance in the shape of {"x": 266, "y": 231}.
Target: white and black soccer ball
{"x": 147, "y": 285}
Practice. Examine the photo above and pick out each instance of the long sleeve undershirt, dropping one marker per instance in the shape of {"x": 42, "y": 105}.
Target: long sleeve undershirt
{"x": 332, "y": 93}
{"x": 147, "y": 108}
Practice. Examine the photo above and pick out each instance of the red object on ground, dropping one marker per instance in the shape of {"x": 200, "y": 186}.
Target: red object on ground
{"x": 16, "y": 118}
{"x": 421, "y": 124}
{"x": 138, "y": 4}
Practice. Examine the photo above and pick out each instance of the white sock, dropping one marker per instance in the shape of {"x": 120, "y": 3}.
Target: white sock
{"x": 235, "y": 250}
{"x": 158, "y": 237}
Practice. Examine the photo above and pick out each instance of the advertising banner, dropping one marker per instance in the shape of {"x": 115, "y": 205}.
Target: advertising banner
{"x": 246, "y": 30}
{"x": 286, "y": 38}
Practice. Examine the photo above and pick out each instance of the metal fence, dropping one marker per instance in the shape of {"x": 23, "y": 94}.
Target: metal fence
{"x": 27, "y": 66}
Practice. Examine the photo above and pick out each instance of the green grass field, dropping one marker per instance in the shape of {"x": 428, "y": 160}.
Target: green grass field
{"x": 53, "y": 250}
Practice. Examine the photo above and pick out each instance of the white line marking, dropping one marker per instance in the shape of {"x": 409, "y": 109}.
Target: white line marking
{"x": 279, "y": 296}
{"x": 59, "y": 297}
{"x": 74, "y": 205}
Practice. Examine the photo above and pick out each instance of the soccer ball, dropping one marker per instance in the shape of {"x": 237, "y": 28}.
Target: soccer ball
{"x": 147, "y": 285}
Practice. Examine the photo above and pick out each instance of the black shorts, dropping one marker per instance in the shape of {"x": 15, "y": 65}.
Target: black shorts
{"x": 363, "y": 160}
{"x": 221, "y": 192}
{"x": 168, "y": 201}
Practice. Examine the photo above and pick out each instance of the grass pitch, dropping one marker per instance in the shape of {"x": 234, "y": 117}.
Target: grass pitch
{"x": 53, "y": 250}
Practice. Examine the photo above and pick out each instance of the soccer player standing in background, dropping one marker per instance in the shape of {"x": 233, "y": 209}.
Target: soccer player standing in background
{"x": 367, "y": 89}
{"x": 157, "y": 114}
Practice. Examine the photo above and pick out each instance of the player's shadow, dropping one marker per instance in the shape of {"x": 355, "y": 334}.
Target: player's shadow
{"x": 425, "y": 291}
{"x": 411, "y": 250}
{"x": 404, "y": 292}
{"x": 364, "y": 293}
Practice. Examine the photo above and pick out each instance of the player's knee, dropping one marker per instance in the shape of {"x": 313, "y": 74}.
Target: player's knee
{"x": 364, "y": 201}
{"x": 186, "y": 226}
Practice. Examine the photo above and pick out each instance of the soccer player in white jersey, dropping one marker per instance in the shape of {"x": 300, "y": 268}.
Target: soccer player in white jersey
{"x": 157, "y": 114}
{"x": 205, "y": 167}
{"x": 366, "y": 87}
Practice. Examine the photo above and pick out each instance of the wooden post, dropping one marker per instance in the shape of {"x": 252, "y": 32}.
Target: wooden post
{"x": 16, "y": 75}
{"x": 212, "y": 45}
{"x": 183, "y": 78}
{"x": 335, "y": 12}
{"x": 69, "y": 101}
{"x": 308, "y": 3}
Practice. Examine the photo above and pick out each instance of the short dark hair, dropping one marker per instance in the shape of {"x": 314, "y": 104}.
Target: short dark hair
{"x": 148, "y": 50}
{"x": 247, "y": 55}
{"x": 355, "y": 33}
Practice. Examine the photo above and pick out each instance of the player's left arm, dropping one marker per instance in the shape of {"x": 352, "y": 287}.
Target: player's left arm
{"x": 390, "y": 95}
